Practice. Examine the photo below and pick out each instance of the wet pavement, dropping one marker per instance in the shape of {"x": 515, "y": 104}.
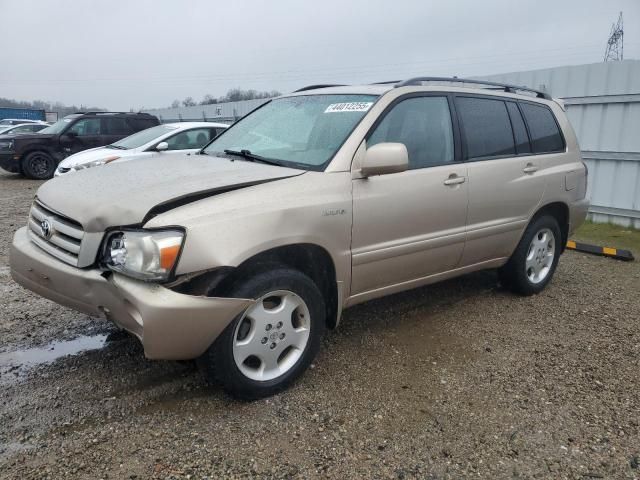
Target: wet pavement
{"x": 18, "y": 362}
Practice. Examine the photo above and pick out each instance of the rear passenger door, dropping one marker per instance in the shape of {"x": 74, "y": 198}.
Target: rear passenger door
{"x": 505, "y": 179}
{"x": 410, "y": 225}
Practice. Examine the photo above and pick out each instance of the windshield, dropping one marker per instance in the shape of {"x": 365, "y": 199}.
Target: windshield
{"x": 303, "y": 131}
{"x": 143, "y": 137}
{"x": 57, "y": 127}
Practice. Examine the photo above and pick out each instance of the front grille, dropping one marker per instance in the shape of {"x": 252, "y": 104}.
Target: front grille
{"x": 55, "y": 234}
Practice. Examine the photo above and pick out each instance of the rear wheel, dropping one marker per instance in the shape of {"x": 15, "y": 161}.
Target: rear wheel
{"x": 267, "y": 347}
{"x": 534, "y": 261}
{"x": 38, "y": 165}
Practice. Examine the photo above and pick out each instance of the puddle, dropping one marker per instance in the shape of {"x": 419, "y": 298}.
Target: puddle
{"x": 13, "y": 364}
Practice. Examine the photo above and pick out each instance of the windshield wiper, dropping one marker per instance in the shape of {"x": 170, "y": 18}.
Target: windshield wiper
{"x": 117, "y": 147}
{"x": 252, "y": 157}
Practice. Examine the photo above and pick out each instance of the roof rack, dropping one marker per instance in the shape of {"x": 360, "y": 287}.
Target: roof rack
{"x": 386, "y": 82}
{"x": 502, "y": 86}
{"x": 313, "y": 87}
{"x": 110, "y": 113}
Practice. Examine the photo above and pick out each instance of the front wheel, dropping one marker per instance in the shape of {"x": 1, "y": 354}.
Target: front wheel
{"x": 267, "y": 347}
{"x": 534, "y": 261}
{"x": 38, "y": 166}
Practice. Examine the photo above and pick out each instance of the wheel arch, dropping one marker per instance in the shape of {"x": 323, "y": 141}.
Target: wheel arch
{"x": 560, "y": 211}
{"x": 308, "y": 258}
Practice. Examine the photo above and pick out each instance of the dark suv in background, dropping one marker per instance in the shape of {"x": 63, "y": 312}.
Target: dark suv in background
{"x": 37, "y": 156}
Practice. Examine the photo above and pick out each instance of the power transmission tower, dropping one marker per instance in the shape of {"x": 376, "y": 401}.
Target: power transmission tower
{"x": 615, "y": 43}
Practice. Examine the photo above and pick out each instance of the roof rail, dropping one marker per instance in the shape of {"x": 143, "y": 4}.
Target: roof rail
{"x": 503, "y": 86}
{"x": 110, "y": 113}
{"x": 313, "y": 87}
{"x": 386, "y": 82}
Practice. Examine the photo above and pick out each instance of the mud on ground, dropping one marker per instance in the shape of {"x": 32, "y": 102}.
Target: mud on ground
{"x": 456, "y": 380}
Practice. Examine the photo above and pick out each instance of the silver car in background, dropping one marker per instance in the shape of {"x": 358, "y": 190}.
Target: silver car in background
{"x": 23, "y": 128}
{"x": 185, "y": 137}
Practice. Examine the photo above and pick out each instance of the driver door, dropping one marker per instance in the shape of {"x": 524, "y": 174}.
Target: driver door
{"x": 410, "y": 225}
{"x": 84, "y": 134}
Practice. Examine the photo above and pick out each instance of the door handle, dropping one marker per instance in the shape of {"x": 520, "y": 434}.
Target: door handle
{"x": 454, "y": 180}
{"x": 530, "y": 168}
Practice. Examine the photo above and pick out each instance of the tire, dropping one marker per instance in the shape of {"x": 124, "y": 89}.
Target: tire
{"x": 38, "y": 166}
{"x": 284, "y": 326}
{"x": 535, "y": 259}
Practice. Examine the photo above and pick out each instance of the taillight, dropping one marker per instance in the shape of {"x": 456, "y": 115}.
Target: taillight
{"x": 586, "y": 178}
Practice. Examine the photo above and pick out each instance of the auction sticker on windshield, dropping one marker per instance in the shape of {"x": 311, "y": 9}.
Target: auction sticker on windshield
{"x": 349, "y": 107}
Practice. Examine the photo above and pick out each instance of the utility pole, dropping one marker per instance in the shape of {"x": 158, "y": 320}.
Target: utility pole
{"x": 615, "y": 43}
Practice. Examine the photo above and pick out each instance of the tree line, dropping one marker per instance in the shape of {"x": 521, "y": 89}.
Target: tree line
{"x": 233, "y": 95}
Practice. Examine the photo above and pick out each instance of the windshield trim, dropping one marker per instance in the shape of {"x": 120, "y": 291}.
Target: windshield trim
{"x": 302, "y": 166}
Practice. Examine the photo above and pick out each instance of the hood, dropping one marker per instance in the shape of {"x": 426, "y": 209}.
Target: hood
{"x": 128, "y": 193}
{"x": 90, "y": 155}
{"x": 32, "y": 136}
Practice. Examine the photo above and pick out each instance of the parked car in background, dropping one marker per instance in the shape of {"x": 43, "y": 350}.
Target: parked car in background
{"x": 185, "y": 137}
{"x": 20, "y": 129}
{"x": 316, "y": 201}
{"x": 6, "y": 122}
{"x": 37, "y": 155}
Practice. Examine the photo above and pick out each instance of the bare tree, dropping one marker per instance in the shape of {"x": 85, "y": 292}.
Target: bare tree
{"x": 189, "y": 102}
{"x": 208, "y": 100}
{"x": 175, "y": 104}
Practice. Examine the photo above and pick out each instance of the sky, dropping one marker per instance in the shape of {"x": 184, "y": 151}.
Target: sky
{"x": 122, "y": 54}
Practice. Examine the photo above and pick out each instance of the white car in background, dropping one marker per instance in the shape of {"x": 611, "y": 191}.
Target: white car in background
{"x": 186, "y": 137}
{"x": 31, "y": 127}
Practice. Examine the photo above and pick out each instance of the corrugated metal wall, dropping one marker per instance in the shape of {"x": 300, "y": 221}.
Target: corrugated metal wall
{"x": 22, "y": 113}
{"x": 603, "y": 105}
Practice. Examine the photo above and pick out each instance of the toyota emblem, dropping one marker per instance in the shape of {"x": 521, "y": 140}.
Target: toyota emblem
{"x": 45, "y": 226}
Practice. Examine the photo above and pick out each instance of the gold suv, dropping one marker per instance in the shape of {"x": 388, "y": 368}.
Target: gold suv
{"x": 242, "y": 254}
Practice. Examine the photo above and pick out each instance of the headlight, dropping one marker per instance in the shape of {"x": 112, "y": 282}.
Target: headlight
{"x": 144, "y": 254}
{"x": 96, "y": 163}
{"x": 6, "y": 145}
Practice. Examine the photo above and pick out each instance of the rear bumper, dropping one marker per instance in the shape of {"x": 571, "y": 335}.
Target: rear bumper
{"x": 170, "y": 325}
{"x": 577, "y": 214}
{"x": 10, "y": 162}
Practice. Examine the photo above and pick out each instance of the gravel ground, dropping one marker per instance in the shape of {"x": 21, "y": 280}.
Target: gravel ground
{"x": 457, "y": 380}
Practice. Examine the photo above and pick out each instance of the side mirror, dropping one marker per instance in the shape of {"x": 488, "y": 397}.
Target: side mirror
{"x": 162, "y": 146}
{"x": 385, "y": 158}
{"x": 71, "y": 134}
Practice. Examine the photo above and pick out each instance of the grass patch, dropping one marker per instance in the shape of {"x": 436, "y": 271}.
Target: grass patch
{"x": 608, "y": 235}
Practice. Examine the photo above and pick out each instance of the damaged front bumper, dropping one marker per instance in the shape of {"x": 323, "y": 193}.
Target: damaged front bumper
{"x": 170, "y": 325}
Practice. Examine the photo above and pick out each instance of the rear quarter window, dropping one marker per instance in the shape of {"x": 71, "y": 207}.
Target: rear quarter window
{"x": 543, "y": 128}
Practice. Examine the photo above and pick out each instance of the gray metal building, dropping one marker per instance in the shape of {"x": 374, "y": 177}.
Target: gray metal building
{"x": 217, "y": 112}
{"x": 603, "y": 104}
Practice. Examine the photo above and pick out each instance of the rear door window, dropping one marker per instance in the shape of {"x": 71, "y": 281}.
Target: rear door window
{"x": 486, "y": 126}
{"x": 544, "y": 131}
{"x": 116, "y": 126}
